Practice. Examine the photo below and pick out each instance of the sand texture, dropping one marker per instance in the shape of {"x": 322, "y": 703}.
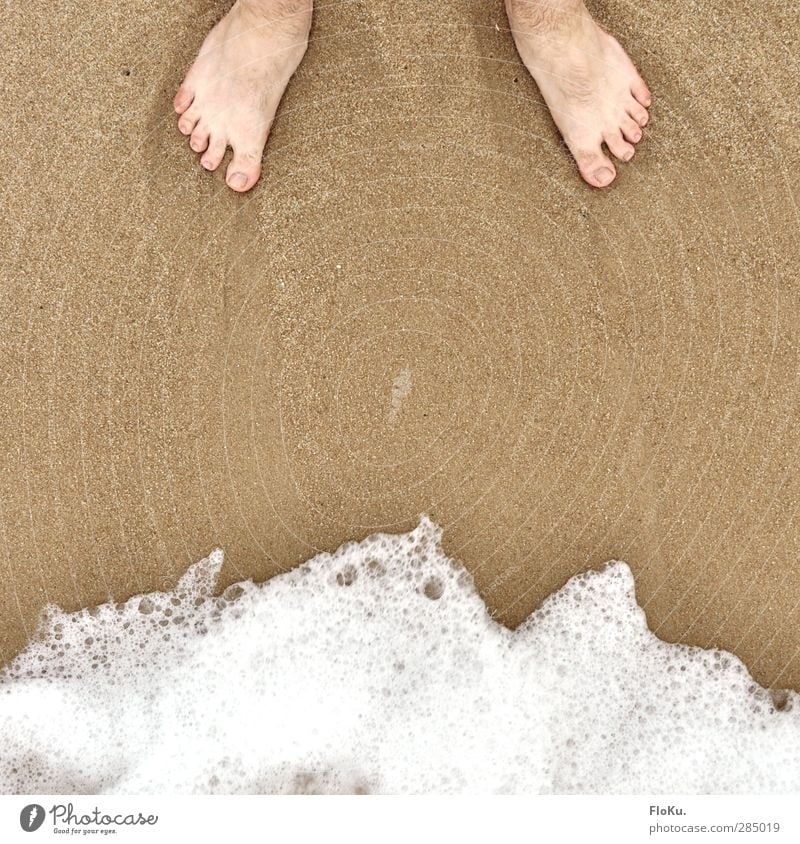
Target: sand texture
{"x": 420, "y": 308}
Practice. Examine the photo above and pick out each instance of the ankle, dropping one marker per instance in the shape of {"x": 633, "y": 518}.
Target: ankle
{"x": 546, "y": 17}
{"x": 293, "y": 14}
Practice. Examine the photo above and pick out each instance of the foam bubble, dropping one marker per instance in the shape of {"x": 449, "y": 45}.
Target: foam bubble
{"x": 378, "y": 669}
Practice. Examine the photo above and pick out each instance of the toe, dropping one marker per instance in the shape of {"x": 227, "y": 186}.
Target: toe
{"x": 188, "y": 121}
{"x": 596, "y": 168}
{"x": 642, "y": 92}
{"x": 214, "y": 154}
{"x": 638, "y": 113}
{"x": 199, "y": 140}
{"x": 619, "y": 146}
{"x": 630, "y": 129}
{"x": 183, "y": 99}
{"x": 245, "y": 168}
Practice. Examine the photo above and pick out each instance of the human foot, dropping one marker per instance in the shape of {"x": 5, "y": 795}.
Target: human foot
{"x": 594, "y": 93}
{"x": 232, "y": 90}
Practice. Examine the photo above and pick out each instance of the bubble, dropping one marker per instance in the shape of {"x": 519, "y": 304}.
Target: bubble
{"x": 347, "y": 576}
{"x": 146, "y": 606}
{"x": 433, "y": 588}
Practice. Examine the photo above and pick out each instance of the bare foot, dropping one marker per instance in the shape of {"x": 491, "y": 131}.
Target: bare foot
{"x": 591, "y": 87}
{"x": 232, "y": 90}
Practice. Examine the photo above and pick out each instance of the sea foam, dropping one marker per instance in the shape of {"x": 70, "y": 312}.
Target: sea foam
{"x": 378, "y": 669}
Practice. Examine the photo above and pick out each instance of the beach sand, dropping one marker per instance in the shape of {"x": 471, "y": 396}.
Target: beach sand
{"x": 420, "y": 308}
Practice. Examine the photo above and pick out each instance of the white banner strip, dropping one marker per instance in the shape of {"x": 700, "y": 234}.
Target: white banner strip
{"x": 366, "y": 820}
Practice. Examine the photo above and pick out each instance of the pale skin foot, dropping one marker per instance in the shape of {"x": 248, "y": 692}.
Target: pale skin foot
{"x": 595, "y": 95}
{"x": 232, "y": 90}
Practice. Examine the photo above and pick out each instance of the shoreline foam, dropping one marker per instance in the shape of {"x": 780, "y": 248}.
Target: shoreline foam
{"x": 378, "y": 669}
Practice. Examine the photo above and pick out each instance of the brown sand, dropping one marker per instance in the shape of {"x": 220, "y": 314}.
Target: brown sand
{"x": 419, "y": 309}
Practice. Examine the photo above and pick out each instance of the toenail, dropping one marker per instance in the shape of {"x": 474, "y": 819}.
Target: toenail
{"x": 237, "y": 180}
{"x": 603, "y": 176}
{"x": 629, "y": 155}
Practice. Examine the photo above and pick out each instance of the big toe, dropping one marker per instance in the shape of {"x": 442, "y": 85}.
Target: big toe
{"x": 245, "y": 168}
{"x": 596, "y": 168}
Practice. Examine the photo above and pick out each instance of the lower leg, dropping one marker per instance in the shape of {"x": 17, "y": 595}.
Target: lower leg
{"x": 231, "y": 92}
{"x": 594, "y": 93}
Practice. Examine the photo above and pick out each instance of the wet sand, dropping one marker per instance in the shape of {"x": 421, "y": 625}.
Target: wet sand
{"x": 420, "y": 308}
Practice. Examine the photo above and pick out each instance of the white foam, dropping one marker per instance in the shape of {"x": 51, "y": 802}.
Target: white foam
{"x": 378, "y": 669}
